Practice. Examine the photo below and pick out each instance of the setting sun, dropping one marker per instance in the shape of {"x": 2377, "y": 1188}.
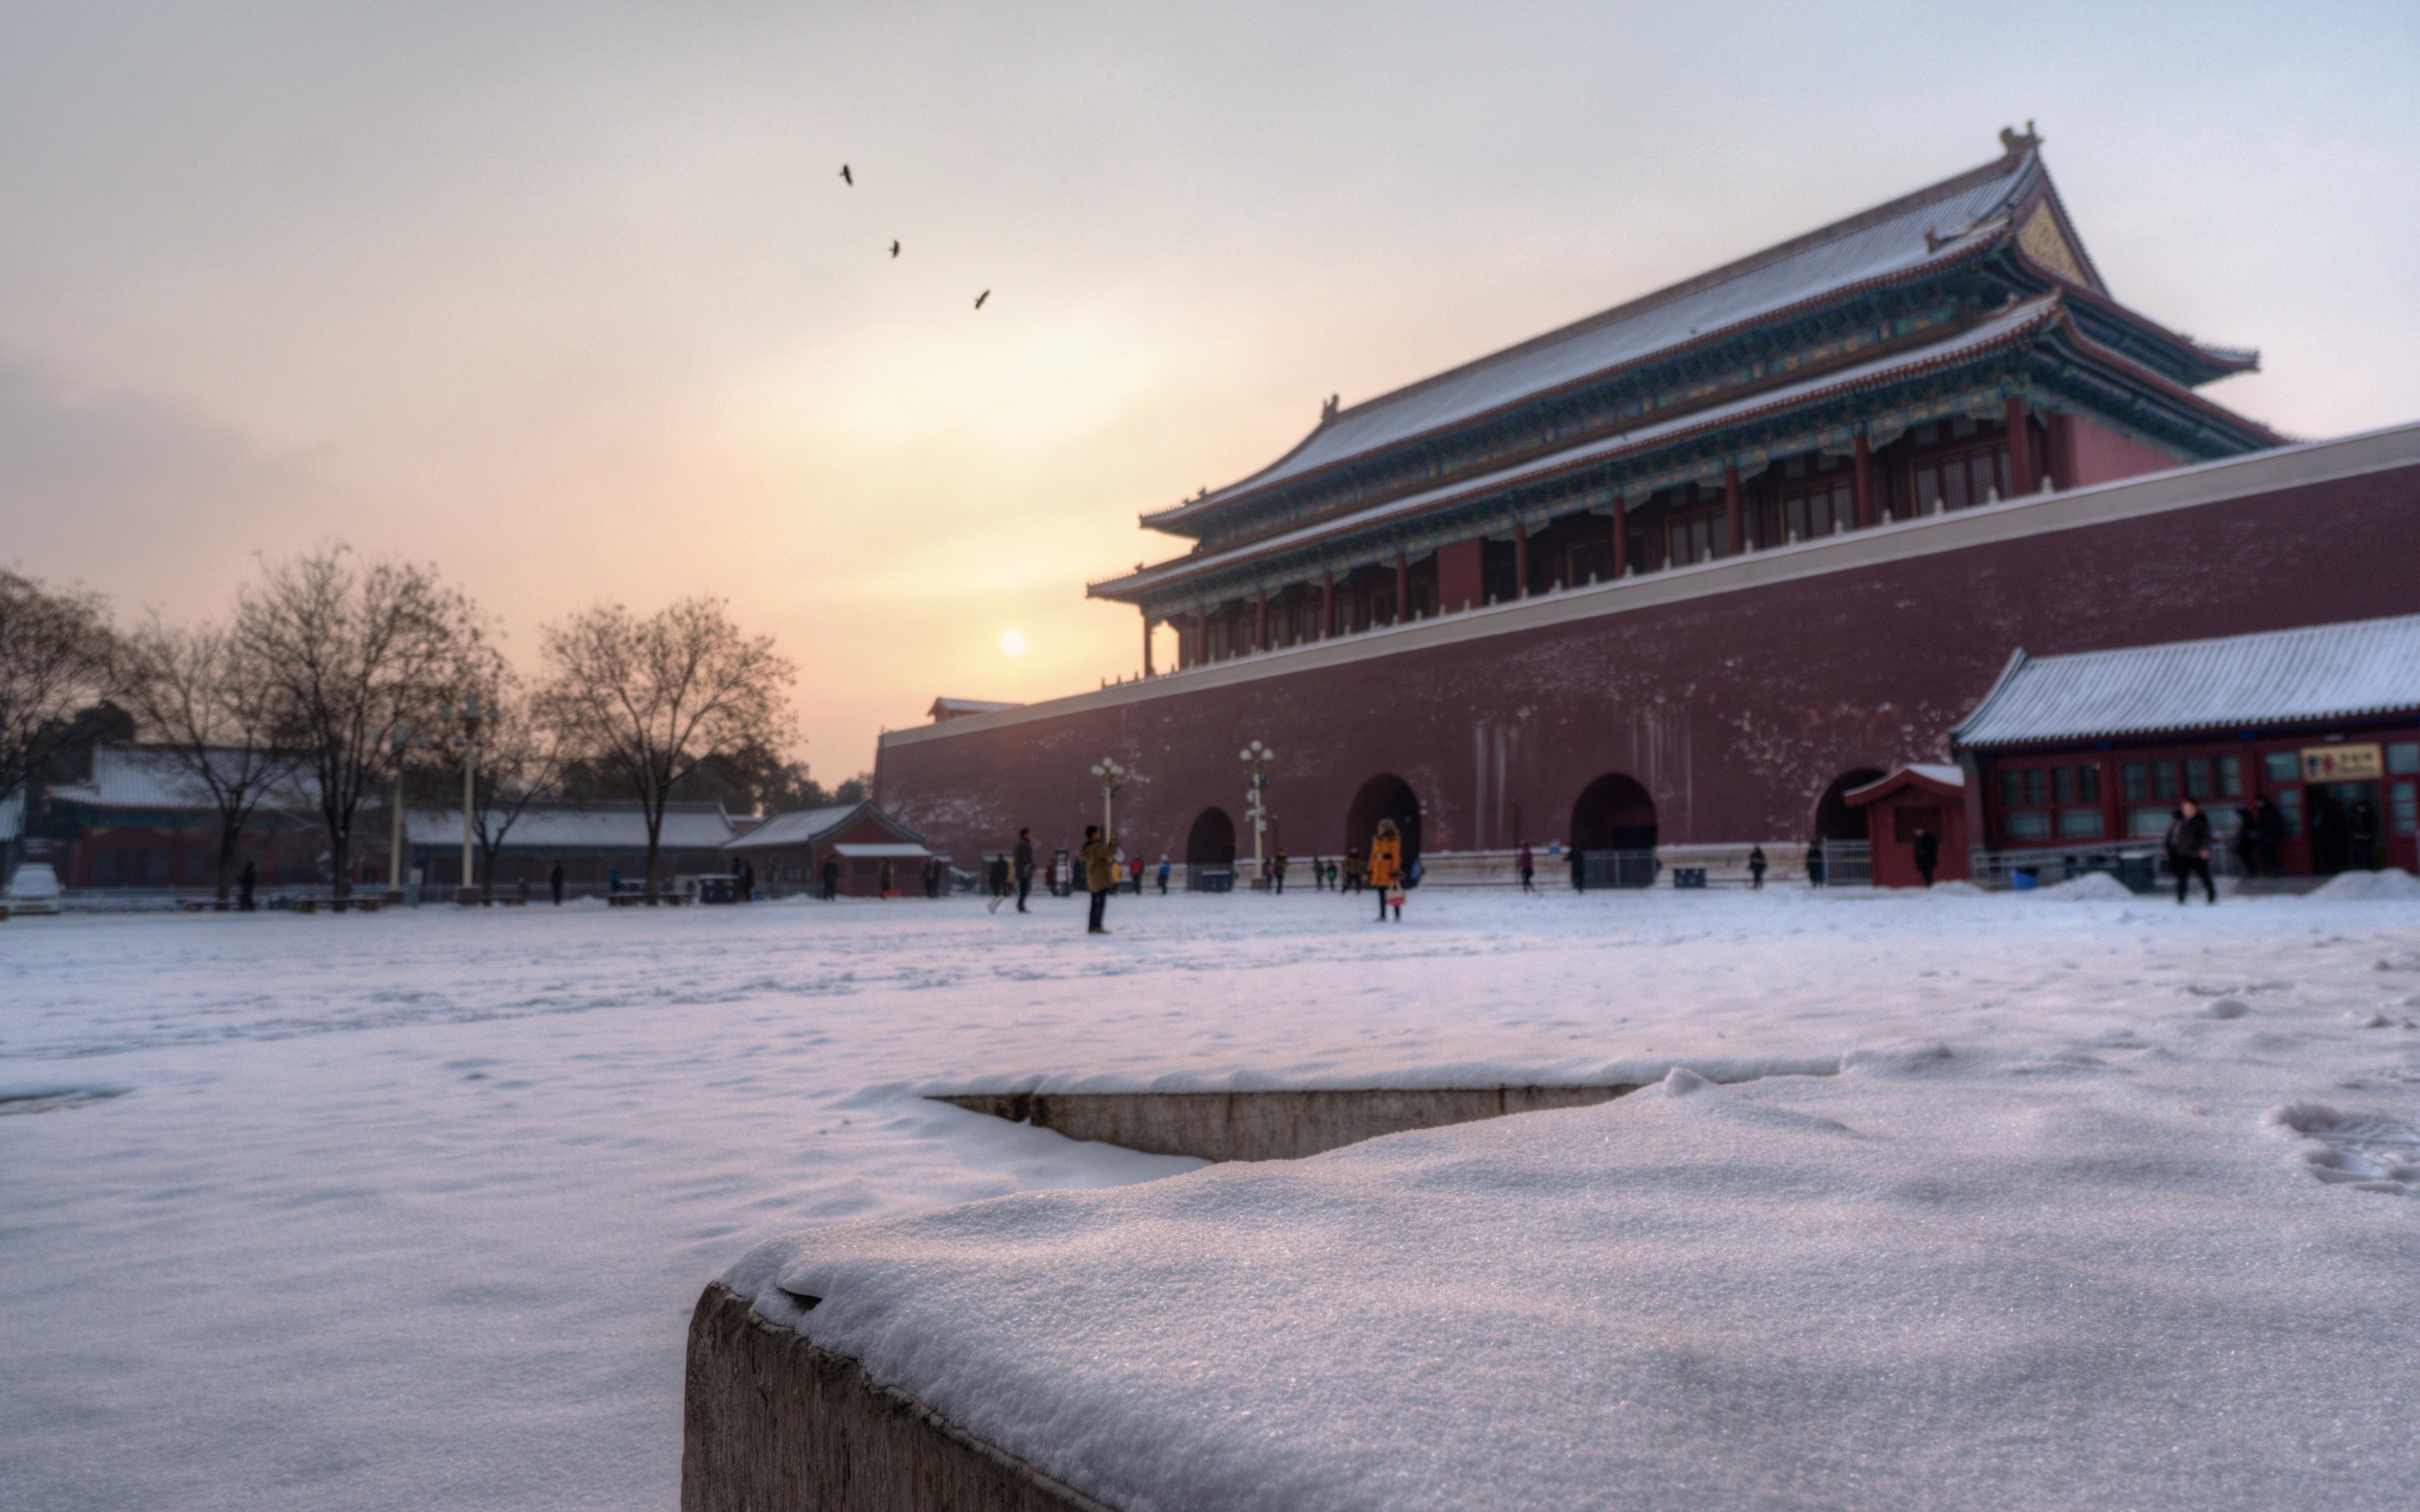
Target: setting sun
{"x": 1012, "y": 642}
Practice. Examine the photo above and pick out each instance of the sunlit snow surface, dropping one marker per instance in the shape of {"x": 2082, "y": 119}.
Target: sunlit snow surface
{"x": 409, "y": 1212}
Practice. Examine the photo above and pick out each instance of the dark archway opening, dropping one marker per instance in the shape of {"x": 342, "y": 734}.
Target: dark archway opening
{"x": 1213, "y": 840}
{"x": 1383, "y": 797}
{"x": 1613, "y": 828}
{"x": 1834, "y": 818}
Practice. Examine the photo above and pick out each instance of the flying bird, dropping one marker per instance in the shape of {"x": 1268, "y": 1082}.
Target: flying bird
{"x": 845, "y": 176}
{"x": 980, "y": 297}
{"x": 894, "y": 249}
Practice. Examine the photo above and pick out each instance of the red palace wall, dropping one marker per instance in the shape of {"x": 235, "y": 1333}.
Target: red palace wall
{"x": 1736, "y": 693}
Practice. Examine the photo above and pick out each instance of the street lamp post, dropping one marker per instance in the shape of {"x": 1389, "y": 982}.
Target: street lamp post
{"x": 471, "y": 716}
{"x": 1112, "y": 777}
{"x": 1258, "y": 757}
{"x": 402, "y": 739}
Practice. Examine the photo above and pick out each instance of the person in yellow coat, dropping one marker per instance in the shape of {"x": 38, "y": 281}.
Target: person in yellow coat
{"x": 1387, "y": 869}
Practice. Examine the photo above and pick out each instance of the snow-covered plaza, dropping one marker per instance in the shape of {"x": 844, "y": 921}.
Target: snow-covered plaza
{"x": 411, "y": 1211}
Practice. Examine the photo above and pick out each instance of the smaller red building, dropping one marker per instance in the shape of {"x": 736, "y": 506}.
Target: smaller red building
{"x": 1906, "y": 806}
{"x": 789, "y": 849}
{"x": 2097, "y": 750}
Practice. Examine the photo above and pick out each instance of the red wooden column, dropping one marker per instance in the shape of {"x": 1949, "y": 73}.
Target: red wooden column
{"x": 1201, "y": 638}
{"x": 1326, "y": 606}
{"x": 1865, "y": 483}
{"x": 1261, "y": 622}
{"x": 1146, "y": 642}
{"x": 2020, "y": 448}
{"x": 1402, "y": 586}
{"x": 1734, "y": 526}
{"x": 1520, "y": 560}
{"x": 1621, "y": 541}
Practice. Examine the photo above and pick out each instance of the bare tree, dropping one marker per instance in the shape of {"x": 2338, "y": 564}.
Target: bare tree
{"x": 516, "y": 761}
{"x": 647, "y": 701}
{"x": 56, "y": 657}
{"x": 347, "y": 651}
{"x": 211, "y": 710}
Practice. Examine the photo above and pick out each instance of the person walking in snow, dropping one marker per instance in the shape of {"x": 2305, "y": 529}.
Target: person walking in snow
{"x": 1387, "y": 869}
{"x": 554, "y": 882}
{"x": 1137, "y": 865}
{"x": 1276, "y": 872}
{"x": 1927, "y": 853}
{"x": 1024, "y": 867}
{"x": 1163, "y": 873}
{"x": 1354, "y": 869}
{"x": 831, "y": 878}
{"x": 1756, "y": 865}
{"x": 2247, "y": 837}
{"x": 1580, "y": 867}
{"x": 2272, "y": 835}
{"x": 1100, "y": 858}
{"x": 2188, "y": 848}
{"x": 1527, "y": 865}
{"x": 246, "y": 881}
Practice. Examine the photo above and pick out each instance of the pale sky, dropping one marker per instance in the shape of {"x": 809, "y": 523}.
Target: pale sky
{"x": 570, "y": 299}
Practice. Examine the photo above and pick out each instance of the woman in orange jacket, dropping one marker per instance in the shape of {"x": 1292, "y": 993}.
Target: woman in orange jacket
{"x": 1387, "y": 869}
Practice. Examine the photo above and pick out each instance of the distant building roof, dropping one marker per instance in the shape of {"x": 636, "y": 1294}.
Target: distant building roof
{"x": 603, "y": 826}
{"x": 1938, "y": 779}
{"x": 944, "y": 710}
{"x": 147, "y": 777}
{"x": 813, "y": 826}
{"x": 2323, "y": 672}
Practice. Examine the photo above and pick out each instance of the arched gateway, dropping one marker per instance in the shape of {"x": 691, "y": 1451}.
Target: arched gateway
{"x": 1613, "y": 828}
{"x": 1386, "y": 796}
{"x": 1210, "y": 853}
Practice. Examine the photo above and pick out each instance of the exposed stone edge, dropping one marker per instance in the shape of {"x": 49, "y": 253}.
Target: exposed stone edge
{"x": 1283, "y": 1123}
{"x": 844, "y": 1443}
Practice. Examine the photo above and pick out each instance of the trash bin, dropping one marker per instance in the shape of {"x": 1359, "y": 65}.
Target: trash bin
{"x": 2024, "y": 881}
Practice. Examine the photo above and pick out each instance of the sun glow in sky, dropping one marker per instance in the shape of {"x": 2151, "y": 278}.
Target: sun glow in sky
{"x": 1012, "y": 642}
{"x": 571, "y": 300}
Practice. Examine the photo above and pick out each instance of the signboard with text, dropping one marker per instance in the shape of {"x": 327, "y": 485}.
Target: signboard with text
{"x": 2342, "y": 763}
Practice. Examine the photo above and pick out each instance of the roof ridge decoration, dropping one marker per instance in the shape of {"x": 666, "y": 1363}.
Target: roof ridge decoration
{"x": 1995, "y": 189}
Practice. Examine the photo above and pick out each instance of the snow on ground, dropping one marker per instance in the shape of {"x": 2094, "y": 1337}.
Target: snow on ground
{"x": 409, "y": 1211}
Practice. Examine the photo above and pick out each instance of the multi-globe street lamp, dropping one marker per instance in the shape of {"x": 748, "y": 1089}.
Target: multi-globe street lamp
{"x": 471, "y": 716}
{"x": 1112, "y": 777}
{"x": 1258, "y": 757}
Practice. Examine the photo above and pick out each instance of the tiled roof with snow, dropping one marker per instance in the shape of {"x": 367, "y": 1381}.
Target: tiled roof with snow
{"x": 1891, "y": 239}
{"x": 141, "y": 777}
{"x": 812, "y": 827}
{"x": 2322, "y": 672}
{"x": 603, "y": 826}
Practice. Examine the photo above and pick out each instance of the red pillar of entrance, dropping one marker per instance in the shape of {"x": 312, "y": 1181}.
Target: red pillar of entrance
{"x": 1734, "y": 525}
{"x": 1261, "y": 622}
{"x": 1621, "y": 541}
{"x": 2020, "y": 448}
{"x": 1146, "y": 642}
{"x": 1403, "y": 587}
{"x": 1200, "y": 637}
{"x": 1865, "y": 483}
{"x": 1520, "y": 560}
{"x": 1327, "y": 605}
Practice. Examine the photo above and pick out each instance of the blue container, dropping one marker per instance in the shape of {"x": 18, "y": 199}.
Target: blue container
{"x": 2024, "y": 881}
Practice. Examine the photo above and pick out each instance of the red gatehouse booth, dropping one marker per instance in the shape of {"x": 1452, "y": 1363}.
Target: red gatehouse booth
{"x": 2311, "y": 736}
{"x": 1902, "y": 808}
{"x": 789, "y": 849}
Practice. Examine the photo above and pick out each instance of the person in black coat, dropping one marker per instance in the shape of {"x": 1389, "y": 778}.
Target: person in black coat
{"x": 1024, "y": 869}
{"x": 1927, "y": 853}
{"x": 2273, "y": 836}
{"x": 2188, "y": 848}
{"x": 246, "y": 881}
{"x": 831, "y": 878}
{"x": 554, "y": 882}
{"x": 1756, "y": 865}
{"x": 1579, "y": 869}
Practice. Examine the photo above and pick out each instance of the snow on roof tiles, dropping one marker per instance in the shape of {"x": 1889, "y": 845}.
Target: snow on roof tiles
{"x": 616, "y": 826}
{"x": 1891, "y": 239}
{"x": 2280, "y": 676}
{"x": 801, "y": 827}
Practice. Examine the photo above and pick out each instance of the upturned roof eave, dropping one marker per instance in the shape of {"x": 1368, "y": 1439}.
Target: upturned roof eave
{"x": 1242, "y": 492}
